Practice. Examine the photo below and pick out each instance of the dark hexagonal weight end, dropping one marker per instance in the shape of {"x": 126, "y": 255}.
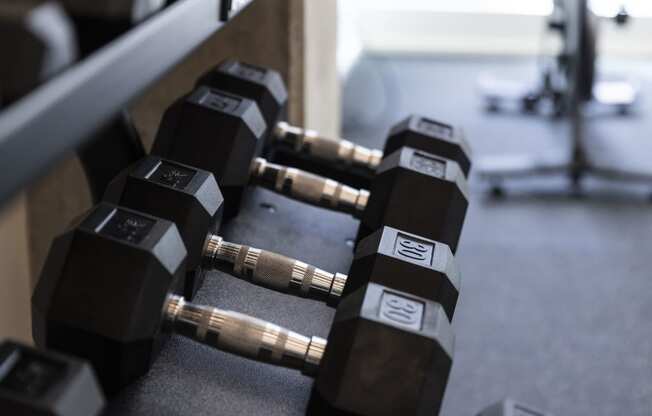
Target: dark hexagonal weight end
{"x": 102, "y": 291}
{"x": 39, "y": 38}
{"x": 187, "y": 196}
{"x": 215, "y": 131}
{"x": 431, "y": 136}
{"x": 388, "y": 353}
{"x": 319, "y": 406}
{"x": 44, "y": 383}
{"x": 408, "y": 263}
{"x": 262, "y": 85}
{"x": 419, "y": 193}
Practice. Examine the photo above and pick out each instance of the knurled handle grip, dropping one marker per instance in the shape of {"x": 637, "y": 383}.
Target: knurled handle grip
{"x": 272, "y": 270}
{"x": 333, "y": 150}
{"x": 309, "y": 188}
{"x": 277, "y": 271}
{"x": 244, "y": 335}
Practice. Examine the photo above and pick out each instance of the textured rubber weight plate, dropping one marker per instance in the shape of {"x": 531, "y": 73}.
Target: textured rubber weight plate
{"x": 388, "y": 353}
{"x": 419, "y": 193}
{"x": 115, "y": 260}
{"x": 263, "y": 85}
{"x": 215, "y": 131}
{"x": 44, "y": 383}
{"x": 38, "y": 41}
{"x": 409, "y": 263}
{"x": 431, "y": 136}
{"x": 184, "y": 195}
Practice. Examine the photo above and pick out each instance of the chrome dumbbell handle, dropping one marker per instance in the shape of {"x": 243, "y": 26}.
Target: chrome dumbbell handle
{"x": 338, "y": 151}
{"x": 309, "y": 188}
{"x": 272, "y": 270}
{"x": 244, "y": 335}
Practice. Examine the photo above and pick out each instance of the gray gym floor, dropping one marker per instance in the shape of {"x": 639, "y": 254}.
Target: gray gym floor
{"x": 556, "y": 297}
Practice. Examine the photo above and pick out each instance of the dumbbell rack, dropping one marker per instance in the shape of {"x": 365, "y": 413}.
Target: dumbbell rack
{"x": 33, "y": 134}
{"x": 185, "y": 380}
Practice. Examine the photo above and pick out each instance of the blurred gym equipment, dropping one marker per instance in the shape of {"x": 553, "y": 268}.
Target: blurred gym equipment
{"x": 566, "y": 88}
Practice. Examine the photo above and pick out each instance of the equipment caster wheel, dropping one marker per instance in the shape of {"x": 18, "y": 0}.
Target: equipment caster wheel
{"x": 492, "y": 106}
{"x": 498, "y": 192}
{"x": 530, "y": 104}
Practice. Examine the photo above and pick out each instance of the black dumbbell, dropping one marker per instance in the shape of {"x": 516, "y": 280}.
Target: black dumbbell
{"x": 413, "y": 191}
{"x": 334, "y": 157}
{"x": 509, "y": 407}
{"x": 44, "y": 383}
{"x": 38, "y": 42}
{"x": 388, "y": 352}
{"x": 191, "y": 199}
{"x": 100, "y": 21}
{"x": 188, "y": 197}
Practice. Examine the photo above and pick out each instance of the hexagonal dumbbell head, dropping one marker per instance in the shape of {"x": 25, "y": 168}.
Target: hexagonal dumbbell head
{"x": 509, "y": 407}
{"x": 262, "y": 85}
{"x": 408, "y": 263}
{"x": 43, "y": 383}
{"x": 215, "y": 131}
{"x": 420, "y": 193}
{"x": 433, "y": 137}
{"x": 388, "y": 353}
{"x": 99, "y": 22}
{"x": 127, "y": 10}
{"x": 38, "y": 40}
{"x": 112, "y": 259}
{"x": 187, "y": 196}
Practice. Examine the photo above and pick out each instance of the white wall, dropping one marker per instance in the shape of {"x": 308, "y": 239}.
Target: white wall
{"x": 481, "y": 27}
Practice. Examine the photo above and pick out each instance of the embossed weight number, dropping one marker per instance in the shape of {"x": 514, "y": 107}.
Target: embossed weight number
{"x": 174, "y": 177}
{"x": 413, "y": 250}
{"x": 400, "y": 310}
{"x": 127, "y": 226}
{"x": 428, "y": 165}
{"x": 131, "y": 228}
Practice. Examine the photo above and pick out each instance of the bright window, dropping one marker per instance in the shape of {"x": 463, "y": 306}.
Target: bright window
{"x": 640, "y": 8}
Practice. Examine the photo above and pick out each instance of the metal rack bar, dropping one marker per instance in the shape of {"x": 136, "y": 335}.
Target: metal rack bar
{"x": 59, "y": 116}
